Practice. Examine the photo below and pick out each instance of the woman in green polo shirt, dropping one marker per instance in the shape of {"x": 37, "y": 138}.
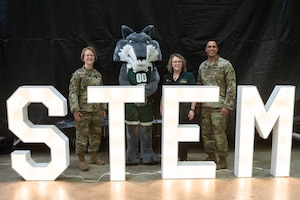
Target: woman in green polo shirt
{"x": 178, "y": 75}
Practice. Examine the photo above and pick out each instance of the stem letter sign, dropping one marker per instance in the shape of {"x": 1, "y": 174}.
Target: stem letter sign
{"x": 251, "y": 113}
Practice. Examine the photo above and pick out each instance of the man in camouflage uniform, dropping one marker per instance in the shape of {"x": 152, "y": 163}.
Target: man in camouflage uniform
{"x": 88, "y": 116}
{"x": 216, "y": 71}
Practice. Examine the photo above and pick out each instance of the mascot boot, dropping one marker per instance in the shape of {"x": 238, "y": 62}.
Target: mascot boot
{"x": 132, "y": 154}
{"x": 148, "y": 157}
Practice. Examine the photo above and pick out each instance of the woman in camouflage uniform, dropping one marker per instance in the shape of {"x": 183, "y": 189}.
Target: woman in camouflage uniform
{"x": 88, "y": 116}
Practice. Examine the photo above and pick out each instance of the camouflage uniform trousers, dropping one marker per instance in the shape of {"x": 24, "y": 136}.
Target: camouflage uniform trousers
{"x": 88, "y": 132}
{"x": 213, "y": 126}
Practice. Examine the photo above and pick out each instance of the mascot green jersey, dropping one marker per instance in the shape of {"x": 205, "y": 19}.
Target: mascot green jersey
{"x": 138, "y": 52}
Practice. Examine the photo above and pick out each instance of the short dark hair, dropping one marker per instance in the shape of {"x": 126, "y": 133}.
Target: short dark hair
{"x": 212, "y": 40}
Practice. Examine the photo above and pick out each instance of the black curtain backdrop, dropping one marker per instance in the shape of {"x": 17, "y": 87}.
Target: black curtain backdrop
{"x": 41, "y": 40}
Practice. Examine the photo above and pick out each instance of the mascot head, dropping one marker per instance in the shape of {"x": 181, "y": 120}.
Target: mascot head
{"x": 138, "y": 50}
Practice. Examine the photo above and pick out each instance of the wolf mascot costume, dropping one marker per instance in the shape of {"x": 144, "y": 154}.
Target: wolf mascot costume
{"x": 139, "y": 51}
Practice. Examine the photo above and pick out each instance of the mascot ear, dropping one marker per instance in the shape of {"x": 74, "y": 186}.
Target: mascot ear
{"x": 149, "y": 30}
{"x": 126, "y": 31}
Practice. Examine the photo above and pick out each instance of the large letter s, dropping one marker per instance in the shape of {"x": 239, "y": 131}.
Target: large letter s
{"x": 20, "y": 125}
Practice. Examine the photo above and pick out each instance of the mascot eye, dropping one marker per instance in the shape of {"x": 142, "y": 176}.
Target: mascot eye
{"x": 147, "y": 41}
{"x": 130, "y": 41}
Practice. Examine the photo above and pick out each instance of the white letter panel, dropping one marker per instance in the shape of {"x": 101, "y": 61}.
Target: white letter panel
{"x": 172, "y": 132}
{"x": 19, "y": 124}
{"x": 116, "y": 96}
{"x": 277, "y": 114}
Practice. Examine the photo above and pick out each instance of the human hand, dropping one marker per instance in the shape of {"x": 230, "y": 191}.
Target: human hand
{"x": 77, "y": 116}
{"x": 191, "y": 115}
{"x": 103, "y": 114}
{"x": 224, "y": 111}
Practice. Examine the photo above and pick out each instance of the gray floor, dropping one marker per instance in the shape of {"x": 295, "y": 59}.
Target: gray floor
{"x": 145, "y": 182}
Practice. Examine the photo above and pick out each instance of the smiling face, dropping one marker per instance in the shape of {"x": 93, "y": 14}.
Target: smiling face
{"x": 88, "y": 58}
{"x": 177, "y": 64}
{"x": 211, "y": 49}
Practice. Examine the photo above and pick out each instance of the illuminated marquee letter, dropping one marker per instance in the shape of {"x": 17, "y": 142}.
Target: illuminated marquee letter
{"x": 116, "y": 96}
{"x": 277, "y": 113}
{"x": 172, "y": 132}
{"x": 19, "y": 124}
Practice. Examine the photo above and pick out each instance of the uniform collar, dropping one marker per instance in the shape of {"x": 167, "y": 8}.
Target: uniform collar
{"x": 213, "y": 63}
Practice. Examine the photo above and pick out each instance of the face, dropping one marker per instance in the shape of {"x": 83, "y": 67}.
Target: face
{"x": 211, "y": 49}
{"x": 89, "y": 57}
{"x": 176, "y": 64}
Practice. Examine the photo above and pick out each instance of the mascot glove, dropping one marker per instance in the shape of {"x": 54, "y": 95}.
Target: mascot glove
{"x": 141, "y": 104}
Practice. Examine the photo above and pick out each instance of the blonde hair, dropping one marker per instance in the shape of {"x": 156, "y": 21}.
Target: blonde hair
{"x": 169, "y": 66}
{"x": 85, "y": 49}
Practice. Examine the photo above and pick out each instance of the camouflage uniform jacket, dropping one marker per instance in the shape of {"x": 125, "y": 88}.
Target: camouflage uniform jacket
{"x": 219, "y": 73}
{"x": 81, "y": 79}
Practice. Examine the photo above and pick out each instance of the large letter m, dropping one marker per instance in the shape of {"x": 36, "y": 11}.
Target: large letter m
{"x": 276, "y": 115}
